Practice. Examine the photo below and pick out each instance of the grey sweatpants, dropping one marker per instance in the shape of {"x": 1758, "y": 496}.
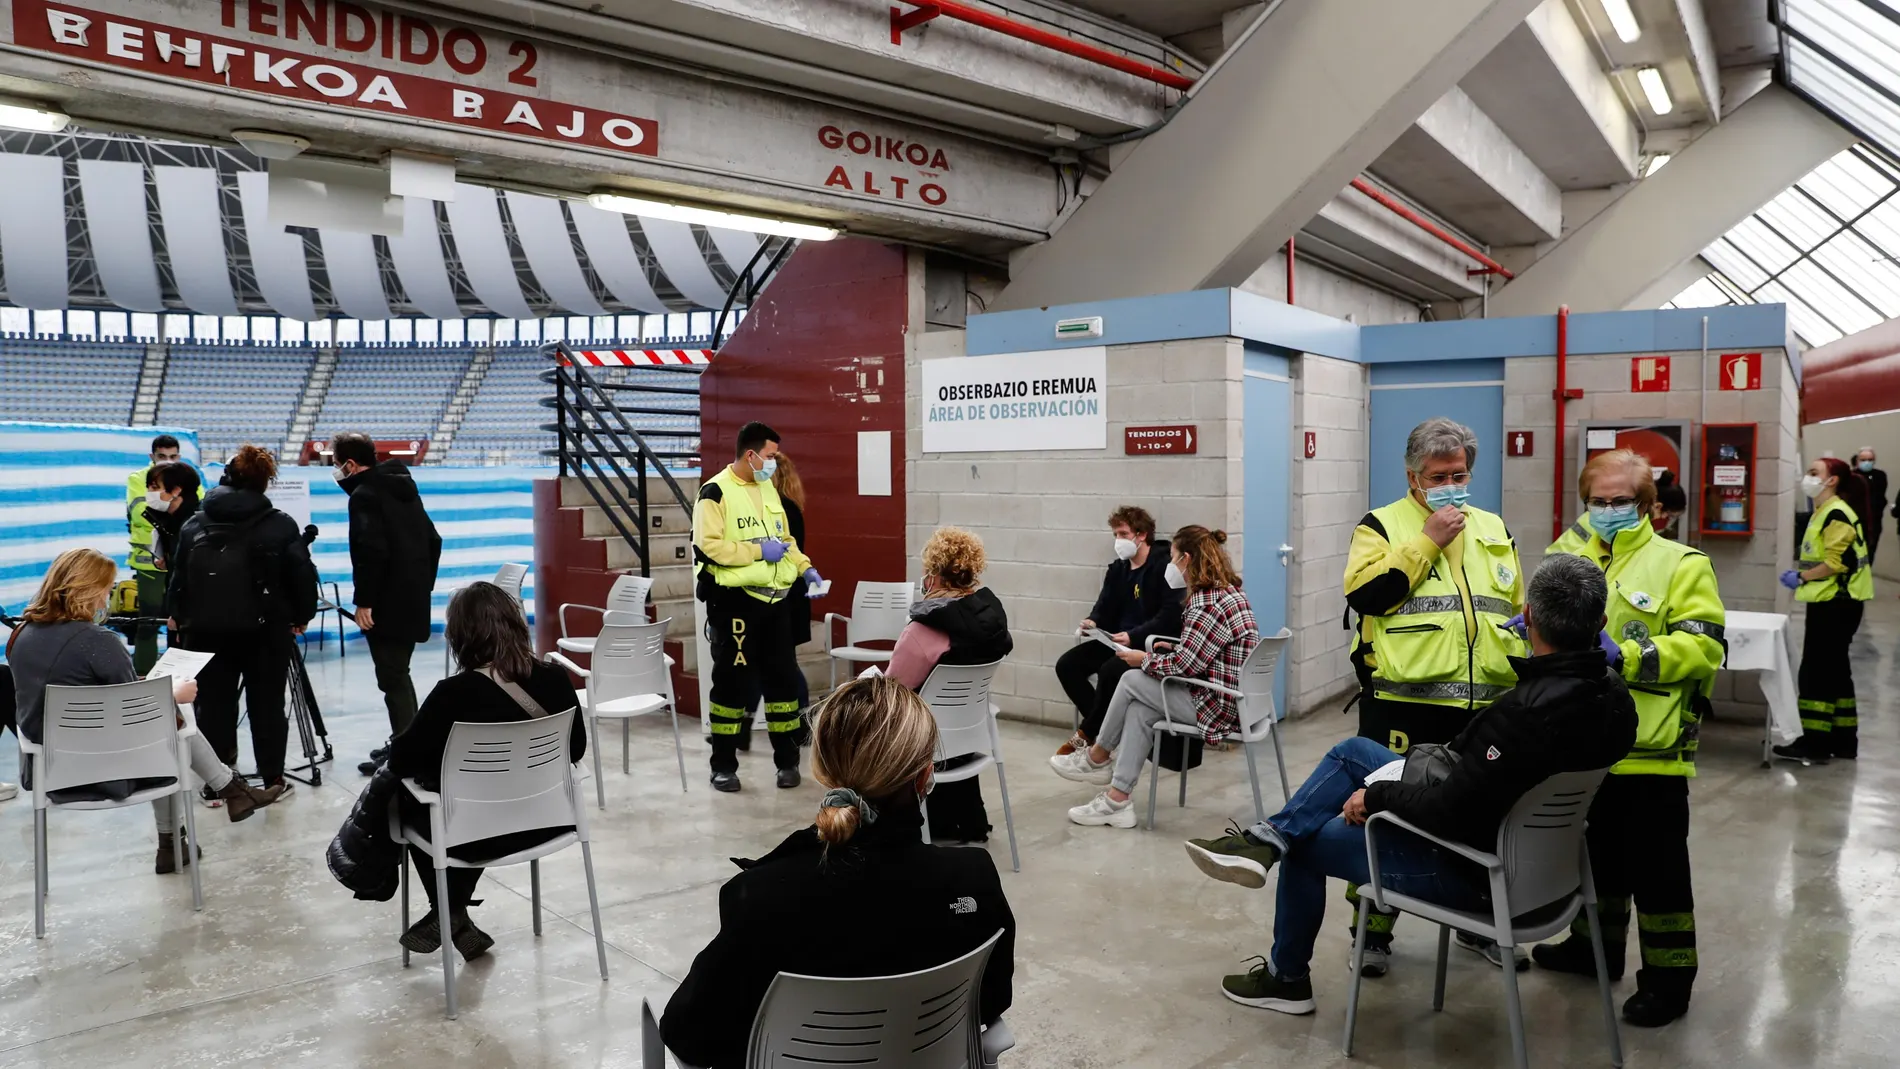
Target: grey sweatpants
{"x": 1129, "y": 727}
{"x": 204, "y": 761}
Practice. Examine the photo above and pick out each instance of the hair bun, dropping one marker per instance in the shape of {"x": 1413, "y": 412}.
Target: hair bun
{"x": 1221, "y": 537}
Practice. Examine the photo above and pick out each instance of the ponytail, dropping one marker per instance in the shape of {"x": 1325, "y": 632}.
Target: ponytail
{"x": 870, "y": 740}
{"x": 1851, "y": 487}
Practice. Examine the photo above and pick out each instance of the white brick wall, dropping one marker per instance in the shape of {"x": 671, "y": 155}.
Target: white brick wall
{"x": 1329, "y": 497}
{"x": 1043, "y": 516}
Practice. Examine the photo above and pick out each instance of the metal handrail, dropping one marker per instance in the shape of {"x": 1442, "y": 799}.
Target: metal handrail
{"x": 585, "y": 410}
{"x": 747, "y": 283}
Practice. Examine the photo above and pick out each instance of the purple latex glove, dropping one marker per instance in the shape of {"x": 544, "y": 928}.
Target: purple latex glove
{"x": 812, "y": 582}
{"x": 1611, "y": 651}
{"x": 1791, "y": 579}
{"x": 772, "y": 550}
{"x": 1517, "y": 626}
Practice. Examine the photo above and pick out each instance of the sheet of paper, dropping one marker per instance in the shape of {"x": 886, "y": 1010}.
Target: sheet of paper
{"x": 820, "y": 590}
{"x": 1387, "y": 773}
{"x": 1101, "y": 636}
{"x": 180, "y": 664}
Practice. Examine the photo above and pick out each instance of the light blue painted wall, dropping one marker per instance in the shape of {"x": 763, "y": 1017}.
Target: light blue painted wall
{"x": 1469, "y": 391}
{"x": 1268, "y": 409}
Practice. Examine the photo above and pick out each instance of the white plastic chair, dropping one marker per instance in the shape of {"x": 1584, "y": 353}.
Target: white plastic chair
{"x": 1259, "y": 720}
{"x": 498, "y": 779}
{"x": 121, "y": 731}
{"x": 626, "y": 604}
{"x": 509, "y": 577}
{"x": 959, "y": 698}
{"x": 879, "y": 612}
{"x": 1539, "y": 876}
{"x": 928, "y": 1019}
{"x": 629, "y": 677}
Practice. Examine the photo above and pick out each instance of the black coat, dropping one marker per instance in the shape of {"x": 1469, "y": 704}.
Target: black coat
{"x": 798, "y": 602}
{"x": 363, "y": 857}
{"x": 882, "y": 904}
{"x": 170, "y": 524}
{"x": 282, "y": 560}
{"x": 394, "y": 550}
{"x": 975, "y": 623}
{"x": 1568, "y": 713}
{"x": 471, "y": 697}
{"x": 1157, "y": 609}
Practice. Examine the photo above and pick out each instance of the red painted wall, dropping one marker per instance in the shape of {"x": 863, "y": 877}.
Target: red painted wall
{"x": 820, "y": 357}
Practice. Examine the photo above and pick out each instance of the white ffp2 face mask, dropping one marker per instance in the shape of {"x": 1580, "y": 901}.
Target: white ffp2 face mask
{"x": 1125, "y": 549}
{"x": 1811, "y": 485}
{"x": 1176, "y": 580}
{"x": 155, "y": 501}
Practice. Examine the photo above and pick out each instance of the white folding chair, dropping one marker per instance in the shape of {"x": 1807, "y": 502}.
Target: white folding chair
{"x": 498, "y": 779}
{"x": 629, "y": 677}
{"x": 928, "y": 1019}
{"x": 1259, "y": 720}
{"x": 879, "y": 612}
{"x": 626, "y": 604}
{"x": 1539, "y": 878}
{"x": 122, "y": 731}
{"x": 959, "y": 698}
{"x": 509, "y": 577}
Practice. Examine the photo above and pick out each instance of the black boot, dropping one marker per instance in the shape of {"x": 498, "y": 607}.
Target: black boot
{"x": 1574, "y": 955}
{"x": 1811, "y": 748}
{"x": 725, "y": 782}
{"x": 1651, "y": 1007}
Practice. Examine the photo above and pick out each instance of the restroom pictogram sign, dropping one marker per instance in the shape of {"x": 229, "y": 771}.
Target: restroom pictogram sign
{"x": 1519, "y": 444}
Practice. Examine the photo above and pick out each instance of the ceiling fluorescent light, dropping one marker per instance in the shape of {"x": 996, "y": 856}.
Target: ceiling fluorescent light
{"x": 681, "y": 213}
{"x": 26, "y": 115}
{"x": 1622, "y": 20}
{"x": 1656, "y": 163}
{"x": 1651, "y": 80}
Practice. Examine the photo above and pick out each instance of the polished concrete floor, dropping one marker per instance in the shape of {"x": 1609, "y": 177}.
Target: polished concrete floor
{"x": 1122, "y": 942}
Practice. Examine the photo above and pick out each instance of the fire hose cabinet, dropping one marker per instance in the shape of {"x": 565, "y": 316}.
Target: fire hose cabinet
{"x": 1728, "y": 479}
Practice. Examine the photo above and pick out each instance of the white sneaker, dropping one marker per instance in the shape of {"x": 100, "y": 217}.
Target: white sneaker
{"x": 8, "y": 790}
{"x": 1100, "y": 811}
{"x": 1077, "y": 767}
{"x": 1377, "y": 962}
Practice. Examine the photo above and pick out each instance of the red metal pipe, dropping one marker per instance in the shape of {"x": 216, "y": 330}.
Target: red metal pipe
{"x": 1405, "y": 212}
{"x": 1561, "y": 394}
{"x": 901, "y": 21}
{"x": 1289, "y": 270}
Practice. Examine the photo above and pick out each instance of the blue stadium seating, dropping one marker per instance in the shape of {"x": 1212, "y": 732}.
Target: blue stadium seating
{"x": 82, "y": 381}
{"x": 233, "y": 394}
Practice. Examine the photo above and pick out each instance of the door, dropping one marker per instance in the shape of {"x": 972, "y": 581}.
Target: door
{"x": 1405, "y": 395}
{"x": 1267, "y": 406}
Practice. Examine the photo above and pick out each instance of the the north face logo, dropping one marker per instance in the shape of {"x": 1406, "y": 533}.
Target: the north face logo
{"x": 1491, "y": 754}
{"x": 963, "y": 905}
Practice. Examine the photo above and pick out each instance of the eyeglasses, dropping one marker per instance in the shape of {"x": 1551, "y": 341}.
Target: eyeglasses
{"x": 1611, "y": 503}
{"x": 1456, "y": 478}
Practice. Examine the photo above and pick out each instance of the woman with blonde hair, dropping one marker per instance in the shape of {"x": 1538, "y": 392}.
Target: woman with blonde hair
{"x": 888, "y": 902}
{"x": 1217, "y": 633}
{"x": 61, "y": 643}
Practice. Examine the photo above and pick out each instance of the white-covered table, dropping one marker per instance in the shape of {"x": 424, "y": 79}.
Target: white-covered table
{"x": 1758, "y": 642}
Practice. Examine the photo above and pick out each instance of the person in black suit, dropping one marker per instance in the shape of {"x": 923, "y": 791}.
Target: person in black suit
{"x": 856, "y": 894}
{"x": 1877, "y": 498}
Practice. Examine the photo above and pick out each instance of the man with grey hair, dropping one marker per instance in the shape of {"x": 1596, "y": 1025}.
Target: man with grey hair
{"x": 1866, "y": 463}
{"x": 1569, "y": 712}
{"x": 1434, "y": 580}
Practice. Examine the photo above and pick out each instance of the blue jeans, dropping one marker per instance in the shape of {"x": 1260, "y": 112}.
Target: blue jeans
{"x": 1317, "y": 842}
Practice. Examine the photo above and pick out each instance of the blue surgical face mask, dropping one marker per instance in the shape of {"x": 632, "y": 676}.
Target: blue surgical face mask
{"x": 1450, "y": 494}
{"x": 764, "y": 475}
{"x": 1866, "y": 465}
{"x": 1608, "y": 521}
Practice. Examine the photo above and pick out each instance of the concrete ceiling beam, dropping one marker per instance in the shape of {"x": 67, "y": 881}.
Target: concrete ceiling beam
{"x": 1270, "y": 139}
{"x": 1615, "y": 260}
{"x": 1459, "y": 163}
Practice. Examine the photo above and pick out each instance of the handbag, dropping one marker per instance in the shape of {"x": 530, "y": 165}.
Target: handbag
{"x": 514, "y": 690}
{"x": 1427, "y": 764}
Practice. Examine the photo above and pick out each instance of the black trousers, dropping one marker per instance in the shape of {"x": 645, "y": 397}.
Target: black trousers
{"x": 391, "y": 657}
{"x": 1396, "y": 725}
{"x": 1872, "y": 532}
{"x": 753, "y": 656}
{"x": 1639, "y": 850}
{"x": 1830, "y": 716}
{"x": 1089, "y": 673}
{"x": 462, "y": 881}
{"x": 258, "y": 664}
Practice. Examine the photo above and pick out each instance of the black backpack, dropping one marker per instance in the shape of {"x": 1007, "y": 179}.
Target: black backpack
{"x": 227, "y": 588}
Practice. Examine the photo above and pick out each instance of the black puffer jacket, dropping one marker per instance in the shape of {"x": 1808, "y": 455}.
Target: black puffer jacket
{"x": 394, "y": 550}
{"x": 976, "y": 625}
{"x": 282, "y": 568}
{"x": 363, "y": 857}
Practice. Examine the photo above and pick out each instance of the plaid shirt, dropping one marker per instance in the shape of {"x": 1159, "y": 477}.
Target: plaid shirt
{"x": 1217, "y": 634}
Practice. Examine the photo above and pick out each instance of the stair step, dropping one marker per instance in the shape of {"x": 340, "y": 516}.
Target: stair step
{"x": 596, "y": 524}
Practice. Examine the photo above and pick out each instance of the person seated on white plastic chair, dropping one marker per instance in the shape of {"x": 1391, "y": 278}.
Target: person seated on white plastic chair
{"x": 1569, "y": 712}
{"x": 856, "y": 894}
{"x": 499, "y": 681}
{"x": 1217, "y": 633}
{"x": 59, "y": 643}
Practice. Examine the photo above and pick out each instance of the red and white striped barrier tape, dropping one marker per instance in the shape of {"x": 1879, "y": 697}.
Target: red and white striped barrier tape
{"x": 637, "y": 357}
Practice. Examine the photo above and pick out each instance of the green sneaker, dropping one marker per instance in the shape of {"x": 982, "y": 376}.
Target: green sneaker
{"x": 1259, "y": 988}
{"x": 1233, "y": 858}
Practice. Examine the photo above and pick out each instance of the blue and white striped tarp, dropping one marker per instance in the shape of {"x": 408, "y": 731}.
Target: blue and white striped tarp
{"x": 62, "y": 486}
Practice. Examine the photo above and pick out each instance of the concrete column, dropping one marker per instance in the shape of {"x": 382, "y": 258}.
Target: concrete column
{"x": 1310, "y": 101}
{"x": 1613, "y": 260}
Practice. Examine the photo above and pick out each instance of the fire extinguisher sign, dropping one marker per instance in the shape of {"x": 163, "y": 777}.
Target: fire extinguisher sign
{"x": 1741, "y": 371}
